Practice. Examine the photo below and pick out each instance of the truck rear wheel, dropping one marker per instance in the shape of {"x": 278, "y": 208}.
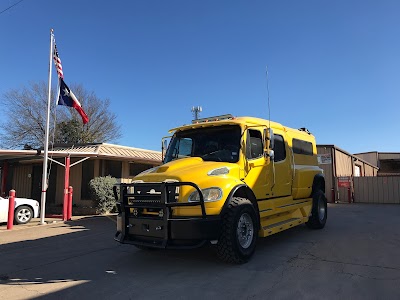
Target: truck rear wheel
{"x": 237, "y": 242}
{"x": 319, "y": 211}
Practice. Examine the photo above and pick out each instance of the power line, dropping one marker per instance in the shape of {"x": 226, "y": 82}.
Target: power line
{"x": 11, "y": 6}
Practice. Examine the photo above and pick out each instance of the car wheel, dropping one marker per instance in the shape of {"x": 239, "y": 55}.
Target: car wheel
{"x": 23, "y": 214}
{"x": 238, "y": 238}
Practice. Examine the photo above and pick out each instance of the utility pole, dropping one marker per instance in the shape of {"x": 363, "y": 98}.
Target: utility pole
{"x": 196, "y": 110}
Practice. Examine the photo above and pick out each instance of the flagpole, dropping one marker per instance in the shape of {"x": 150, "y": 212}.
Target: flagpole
{"x": 46, "y": 141}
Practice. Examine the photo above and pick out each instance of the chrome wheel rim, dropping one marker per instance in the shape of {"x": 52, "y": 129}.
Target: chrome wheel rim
{"x": 24, "y": 215}
{"x": 321, "y": 209}
{"x": 245, "y": 230}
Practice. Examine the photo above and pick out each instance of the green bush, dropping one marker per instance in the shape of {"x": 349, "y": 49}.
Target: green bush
{"x": 101, "y": 189}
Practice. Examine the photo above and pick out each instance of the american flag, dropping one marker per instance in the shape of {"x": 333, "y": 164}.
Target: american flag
{"x": 57, "y": 62}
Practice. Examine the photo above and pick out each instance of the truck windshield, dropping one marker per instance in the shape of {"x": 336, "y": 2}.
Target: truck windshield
{"x": 220, "y": 143}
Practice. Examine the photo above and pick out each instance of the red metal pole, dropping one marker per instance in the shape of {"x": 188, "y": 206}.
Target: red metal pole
{"x": 70, "y": 192}
{"x": 4, "y": 175}
{"x": 66, "y": 184}
{"x": 11, "y": 206}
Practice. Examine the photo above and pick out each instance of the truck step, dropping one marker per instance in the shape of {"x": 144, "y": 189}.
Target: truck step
{"x": 280, "y": 226}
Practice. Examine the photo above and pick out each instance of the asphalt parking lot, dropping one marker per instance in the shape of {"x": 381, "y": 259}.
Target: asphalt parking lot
{"x": 356, "y": 256}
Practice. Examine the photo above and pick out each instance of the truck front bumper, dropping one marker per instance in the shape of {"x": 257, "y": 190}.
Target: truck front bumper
{"x": 161, "y": 229}
{"x": 179, "y": 233}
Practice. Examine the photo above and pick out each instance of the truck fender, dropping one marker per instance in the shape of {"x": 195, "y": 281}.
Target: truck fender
{"x": 243, "y": 191}
{"x": 318, "y": 183}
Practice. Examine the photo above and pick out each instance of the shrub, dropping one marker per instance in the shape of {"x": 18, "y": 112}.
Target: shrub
{"x": 102, "y": 193}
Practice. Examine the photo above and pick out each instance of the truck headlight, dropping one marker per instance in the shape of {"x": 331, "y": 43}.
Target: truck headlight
{"x": 210, "y": 194}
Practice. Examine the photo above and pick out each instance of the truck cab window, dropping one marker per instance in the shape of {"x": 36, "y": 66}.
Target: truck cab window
{"x": 185, "y": 147}
{"x": 302, "y": 147}
{"x": 179, "y": 148}
{"x": 254, "y": 145}
{"x": 279, "y": 148}
{"x": 220, "y": 144}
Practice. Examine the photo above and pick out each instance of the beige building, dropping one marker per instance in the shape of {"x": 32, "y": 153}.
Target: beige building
{"x": 388, "y": 162}
{"x": 22, "y": 170}
{"x": 340, "y": 167}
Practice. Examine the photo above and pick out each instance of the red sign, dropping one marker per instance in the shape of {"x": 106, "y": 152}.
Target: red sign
{"x": 344, "y": 181}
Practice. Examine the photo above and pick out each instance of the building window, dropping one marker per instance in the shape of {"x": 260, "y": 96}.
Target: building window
{"x": 136, "y": 168}
{"x": 357, "y": 171}
{"x": 302, "y": 147}
{"x": 279, "y": 148}
{"x": 113, "y": 168}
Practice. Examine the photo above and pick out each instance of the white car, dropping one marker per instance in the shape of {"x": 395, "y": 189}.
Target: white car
{"x": 25, "y": 210}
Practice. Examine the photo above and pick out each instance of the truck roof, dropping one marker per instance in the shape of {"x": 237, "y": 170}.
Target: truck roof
{"x": 251, "y": 121}
{"x": 244, "y": 120}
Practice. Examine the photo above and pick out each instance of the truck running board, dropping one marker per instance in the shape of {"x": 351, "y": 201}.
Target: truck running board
{"x": 280, "y": 226}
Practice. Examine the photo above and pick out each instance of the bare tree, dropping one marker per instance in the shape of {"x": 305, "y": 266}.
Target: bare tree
{"x": 24, "y": 118}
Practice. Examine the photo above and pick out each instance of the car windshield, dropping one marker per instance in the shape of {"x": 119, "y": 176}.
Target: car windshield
{"x": 220, "y": 143}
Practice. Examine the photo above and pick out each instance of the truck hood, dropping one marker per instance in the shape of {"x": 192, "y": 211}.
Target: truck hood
{"x": 186, "y": 169}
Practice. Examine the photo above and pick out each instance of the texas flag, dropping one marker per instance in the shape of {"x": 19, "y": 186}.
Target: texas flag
{"x": 68, "y": 98}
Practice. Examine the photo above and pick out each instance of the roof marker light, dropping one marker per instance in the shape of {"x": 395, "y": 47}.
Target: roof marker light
{"x": 212, "y": 119}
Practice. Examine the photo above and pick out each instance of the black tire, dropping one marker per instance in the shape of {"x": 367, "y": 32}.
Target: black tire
{"x": 23, "y": 214}
{"x": 235, "y": 246}
{"x": 319, "y": 211}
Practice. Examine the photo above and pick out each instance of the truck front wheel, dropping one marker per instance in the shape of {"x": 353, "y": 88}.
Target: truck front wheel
{"x": 237, "y": 242}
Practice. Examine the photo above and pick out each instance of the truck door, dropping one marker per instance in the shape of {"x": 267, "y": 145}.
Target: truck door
{"x": 256, "y": 167}
{"x": 267, "y": 179}
{"x": 281, "y": 168}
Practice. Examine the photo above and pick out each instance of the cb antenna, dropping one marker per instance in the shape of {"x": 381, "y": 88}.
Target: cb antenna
{"x": 196, "y": 110}
{"x": 269, "y": 104}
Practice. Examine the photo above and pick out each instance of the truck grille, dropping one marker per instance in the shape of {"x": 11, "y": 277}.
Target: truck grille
{"x": 150, "y": 200}
{"x": 151, "y": 193}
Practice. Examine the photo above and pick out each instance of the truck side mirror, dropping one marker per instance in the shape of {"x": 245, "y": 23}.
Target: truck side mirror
{"x": 269, "y": 136}
{"x": 272, "y": 139}
{"x": 269, "y": 153}
{"x": 164, "y": 146}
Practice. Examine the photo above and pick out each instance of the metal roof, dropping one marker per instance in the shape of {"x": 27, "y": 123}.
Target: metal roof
{"x": 347, "y": 153}
{"x": 389, "y": 155}
{"x": 102, "y": 150}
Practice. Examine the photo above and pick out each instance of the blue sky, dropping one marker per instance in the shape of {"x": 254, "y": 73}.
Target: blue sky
{"x": 334, "y": 66}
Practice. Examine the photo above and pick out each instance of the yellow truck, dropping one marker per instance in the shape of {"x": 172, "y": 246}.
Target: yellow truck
{"x": 226, "y": 181}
